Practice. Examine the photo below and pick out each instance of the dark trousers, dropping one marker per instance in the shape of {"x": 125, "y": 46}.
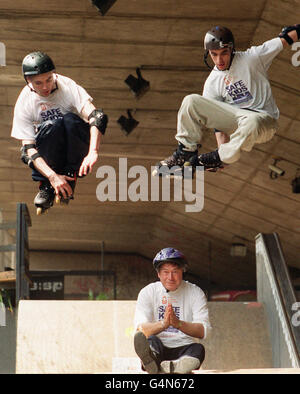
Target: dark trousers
{"x": 63, "y": 143}
{"x": 163, "y": 353}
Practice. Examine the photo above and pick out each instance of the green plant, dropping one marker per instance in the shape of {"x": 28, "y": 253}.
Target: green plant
{"x": 5, "y": 299}
{"x": 99, "y": 297}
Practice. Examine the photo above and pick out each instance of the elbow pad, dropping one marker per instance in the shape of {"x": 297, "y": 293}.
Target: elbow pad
{"x": 99, "y": 119}
{"x": 286, "y": 30}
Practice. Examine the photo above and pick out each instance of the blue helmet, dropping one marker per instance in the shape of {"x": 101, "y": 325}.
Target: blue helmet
{"x": 170, "y": 255}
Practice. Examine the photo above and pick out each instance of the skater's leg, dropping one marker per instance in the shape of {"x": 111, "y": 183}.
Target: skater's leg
{"x": 51, "y": 144}
{"x": 253, "y": 128}
{"x": 148, "y": 350}
{"x": 77, "y": 141}
{"x": 195, "y": 115}
{"x": 184, "y": 359}
{"x": 198, "y": 113}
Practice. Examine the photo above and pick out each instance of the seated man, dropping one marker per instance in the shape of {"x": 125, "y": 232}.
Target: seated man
{"x": 170, "y": 314}
{"x": 59, "y": 128}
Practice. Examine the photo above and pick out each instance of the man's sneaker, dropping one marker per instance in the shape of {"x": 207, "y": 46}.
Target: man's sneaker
{"x": 185, "y": 364}
{"x": 175, "y": 163}
{"x": 142, "y": 349}
{"x": 210, "y": 161}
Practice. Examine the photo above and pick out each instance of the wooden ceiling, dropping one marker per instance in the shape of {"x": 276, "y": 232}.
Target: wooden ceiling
{"x": 165, "y": 39}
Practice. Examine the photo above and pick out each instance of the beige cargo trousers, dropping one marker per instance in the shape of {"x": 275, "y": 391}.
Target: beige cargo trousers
{"x": 245, "y": 127}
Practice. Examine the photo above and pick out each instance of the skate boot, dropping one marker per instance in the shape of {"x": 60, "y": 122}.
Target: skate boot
{"x": 45, "y": 197}
{"x": 66, "y": 201}
{"x": 210, "y": 161}
{"x": 174, "y": 166}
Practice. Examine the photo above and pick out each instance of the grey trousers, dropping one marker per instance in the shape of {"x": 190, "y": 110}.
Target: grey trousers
{"x": 245, "y": 127}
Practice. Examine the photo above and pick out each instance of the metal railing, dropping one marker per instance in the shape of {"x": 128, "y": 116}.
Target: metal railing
{"x": 275, "y": 290}
{"x": 22, "y": 253}
{"x": 21, "y": 249}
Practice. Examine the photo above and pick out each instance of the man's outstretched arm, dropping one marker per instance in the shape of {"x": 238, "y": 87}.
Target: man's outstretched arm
{"x": 97, "y": 128}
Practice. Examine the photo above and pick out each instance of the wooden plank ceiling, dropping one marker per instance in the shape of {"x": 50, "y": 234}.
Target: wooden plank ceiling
{"x": 164, "y": 38}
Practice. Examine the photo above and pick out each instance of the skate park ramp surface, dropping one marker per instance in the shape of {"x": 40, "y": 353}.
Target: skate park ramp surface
{"x": 97, "y": 337}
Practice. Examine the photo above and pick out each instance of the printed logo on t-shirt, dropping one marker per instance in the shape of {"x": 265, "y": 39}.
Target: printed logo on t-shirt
{"x": 238, "y": 91}
{"x": 51, "y": 114}
{"x": 161, "y": 315}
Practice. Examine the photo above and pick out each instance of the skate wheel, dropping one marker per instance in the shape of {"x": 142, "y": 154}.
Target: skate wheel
{"x": 39, "y": 211}
{"x": 57, "y": 199}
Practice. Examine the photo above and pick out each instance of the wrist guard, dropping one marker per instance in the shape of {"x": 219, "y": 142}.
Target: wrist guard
{"x": 99, "y": 119}
{"x": 286, "y": 30}
{"x": 28, "y": 159}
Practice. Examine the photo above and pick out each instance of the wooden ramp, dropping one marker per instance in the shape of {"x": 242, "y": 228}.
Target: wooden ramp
{"x": 97, "y": 337}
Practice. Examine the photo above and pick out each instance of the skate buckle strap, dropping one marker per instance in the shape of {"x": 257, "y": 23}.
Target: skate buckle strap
{"x": 29, "y": 146}
{"x": 35, "y": 156}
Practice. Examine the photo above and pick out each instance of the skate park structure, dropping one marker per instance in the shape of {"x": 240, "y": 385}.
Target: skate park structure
{"x": 67, "y": 336}
{"x": 164, "y": 39}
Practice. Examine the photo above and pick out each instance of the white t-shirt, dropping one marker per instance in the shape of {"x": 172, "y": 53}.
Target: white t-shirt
{"x": 189, "y": 304}
{"x": 246, "y": 84}
{"x": 32, "y": 109}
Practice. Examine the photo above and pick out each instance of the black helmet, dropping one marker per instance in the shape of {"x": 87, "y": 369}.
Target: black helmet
{"x": 36, "y": 63}
{"x": 170, "y": 255}
{"x": 218, "y": 37}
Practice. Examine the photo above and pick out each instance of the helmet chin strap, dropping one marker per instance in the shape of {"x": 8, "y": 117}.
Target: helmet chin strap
{"x": 211, "y": 68}
{"x": 29, "y": 84}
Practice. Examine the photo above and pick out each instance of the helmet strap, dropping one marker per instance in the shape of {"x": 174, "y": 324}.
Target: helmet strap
{"x": 205, "y": 60}
{"x": 211, "y": 68}
{"x": 29, "y": 84}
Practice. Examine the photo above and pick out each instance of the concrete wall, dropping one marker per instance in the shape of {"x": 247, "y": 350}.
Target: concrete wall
{"x": 239, "y": 338}
{"x": 96, "y": 336}
{"x": 8, "y": 344}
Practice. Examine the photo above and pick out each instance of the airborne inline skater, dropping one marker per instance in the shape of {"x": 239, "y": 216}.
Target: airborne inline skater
{"x": 237, "y": 102}
{"x": 59, "y": 127}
